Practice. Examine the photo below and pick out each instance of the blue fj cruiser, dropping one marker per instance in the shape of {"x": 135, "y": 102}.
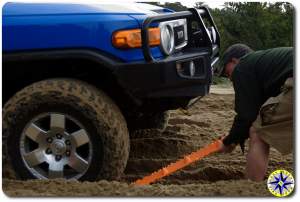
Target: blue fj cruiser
{"x": 78, "y": 77}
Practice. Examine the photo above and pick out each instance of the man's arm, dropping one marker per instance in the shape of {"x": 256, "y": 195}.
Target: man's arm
{"x": 248, "y": 99}
{"x": 239, "y": 132}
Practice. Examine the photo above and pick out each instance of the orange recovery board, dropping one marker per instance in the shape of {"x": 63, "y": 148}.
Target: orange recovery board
{"x": 187, "y": 160}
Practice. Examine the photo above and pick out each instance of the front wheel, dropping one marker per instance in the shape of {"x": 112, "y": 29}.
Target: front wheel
{"x": 63, "y": 128}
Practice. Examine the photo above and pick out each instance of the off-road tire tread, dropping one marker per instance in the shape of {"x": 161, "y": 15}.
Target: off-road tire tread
{"x": 104, "y": 113}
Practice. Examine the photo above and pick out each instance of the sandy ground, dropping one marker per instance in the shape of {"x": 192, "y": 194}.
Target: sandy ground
{"x": 216, "y": 175}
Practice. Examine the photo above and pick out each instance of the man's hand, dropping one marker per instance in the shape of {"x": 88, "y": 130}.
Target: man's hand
{"x": 226, "y": 148}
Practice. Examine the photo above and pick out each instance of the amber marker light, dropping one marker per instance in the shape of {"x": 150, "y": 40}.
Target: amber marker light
{"x": 133, "y": 39}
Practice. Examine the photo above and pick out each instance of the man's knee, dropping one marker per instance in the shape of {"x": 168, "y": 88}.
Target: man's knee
{"x": 253, "y": 134}
{"x": 252, "y": 131}
{"x": 254, "y": 137}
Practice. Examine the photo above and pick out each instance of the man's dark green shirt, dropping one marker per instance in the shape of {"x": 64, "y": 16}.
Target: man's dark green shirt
{"x": 258, "y": 76}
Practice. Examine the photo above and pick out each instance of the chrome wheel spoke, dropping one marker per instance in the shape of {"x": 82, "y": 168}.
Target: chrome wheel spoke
{"x": 80, "y": 137}
{"x": 47, "y": 145}
{"x": 57, "y": 122}
{"x": 35, "y": 157}
{"x": 78, "y": 163}
{"x": 34, "y": 132}
{"x": 56, "y": 170}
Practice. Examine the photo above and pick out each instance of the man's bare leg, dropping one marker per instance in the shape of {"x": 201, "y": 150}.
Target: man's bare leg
{"x": 257, "y": 157}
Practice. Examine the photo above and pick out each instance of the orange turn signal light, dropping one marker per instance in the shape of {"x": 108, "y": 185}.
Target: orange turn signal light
{"x": 133, "y": 39}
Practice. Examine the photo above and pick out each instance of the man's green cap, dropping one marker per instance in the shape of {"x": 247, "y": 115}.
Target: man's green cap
{"x": 234, "y": 51}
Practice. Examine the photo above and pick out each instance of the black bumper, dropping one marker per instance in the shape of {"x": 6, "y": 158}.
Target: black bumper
{"x": 161, "y": 79}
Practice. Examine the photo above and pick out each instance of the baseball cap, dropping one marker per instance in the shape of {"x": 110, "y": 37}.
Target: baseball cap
{"x": 234, "y": 51}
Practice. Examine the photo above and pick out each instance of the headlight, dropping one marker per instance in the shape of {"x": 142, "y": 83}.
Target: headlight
{"x": 173, "y": 35}
{"x": 167, "y": 38}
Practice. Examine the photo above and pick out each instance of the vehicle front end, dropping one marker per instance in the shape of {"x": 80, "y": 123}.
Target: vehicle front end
{"x": 188, "y": 44}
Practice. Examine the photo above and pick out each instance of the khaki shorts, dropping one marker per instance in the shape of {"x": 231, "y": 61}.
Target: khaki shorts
{"x": 274, "y": 123}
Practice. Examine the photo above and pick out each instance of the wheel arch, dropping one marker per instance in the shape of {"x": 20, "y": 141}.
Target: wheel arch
{"x": 21, "y": 69}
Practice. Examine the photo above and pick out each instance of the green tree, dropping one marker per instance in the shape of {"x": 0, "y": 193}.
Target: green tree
{"x": 260, "y": 25}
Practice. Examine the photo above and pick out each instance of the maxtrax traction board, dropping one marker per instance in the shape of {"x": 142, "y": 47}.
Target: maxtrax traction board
{"x": 187, "y": 160}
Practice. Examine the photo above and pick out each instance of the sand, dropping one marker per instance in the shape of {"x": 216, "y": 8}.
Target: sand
{"x": 188, "y": 130}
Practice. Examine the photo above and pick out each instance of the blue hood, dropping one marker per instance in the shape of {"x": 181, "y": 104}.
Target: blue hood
{"x": 21, "y": 9}
{"x": 73, "y": 25}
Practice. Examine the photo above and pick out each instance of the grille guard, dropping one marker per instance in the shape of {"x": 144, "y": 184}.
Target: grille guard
{"x": 192, "y": 14}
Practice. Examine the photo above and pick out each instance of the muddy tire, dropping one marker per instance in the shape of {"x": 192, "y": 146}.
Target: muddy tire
{"x": 158, "y": 121}
{"x": 81, "y": 133}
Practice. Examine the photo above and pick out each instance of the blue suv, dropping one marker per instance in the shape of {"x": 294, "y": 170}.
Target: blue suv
{"x": 77, "y": 78}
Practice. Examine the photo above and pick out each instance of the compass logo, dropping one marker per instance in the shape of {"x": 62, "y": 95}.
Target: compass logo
{"x": 281, "y": 183}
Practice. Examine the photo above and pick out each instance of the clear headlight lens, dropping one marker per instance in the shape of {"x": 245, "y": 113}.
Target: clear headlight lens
{"x": 173, "y": 35}
{"x": 167, "y": 38}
